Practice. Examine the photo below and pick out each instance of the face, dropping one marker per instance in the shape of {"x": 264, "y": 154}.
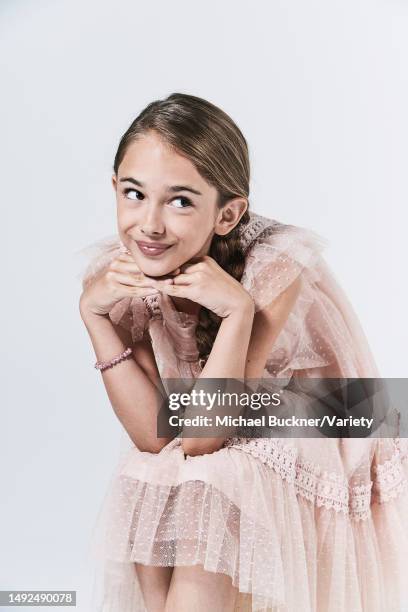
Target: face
{"x": 164, "y": 201}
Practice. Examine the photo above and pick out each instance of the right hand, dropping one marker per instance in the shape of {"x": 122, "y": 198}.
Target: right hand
{"x": 121, "y": 278}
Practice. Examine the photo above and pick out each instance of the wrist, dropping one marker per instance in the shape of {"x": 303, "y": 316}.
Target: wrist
{"x": 89, "y": 316}
{"x": 85, "y": 309}
{"x": 243, "y": 310}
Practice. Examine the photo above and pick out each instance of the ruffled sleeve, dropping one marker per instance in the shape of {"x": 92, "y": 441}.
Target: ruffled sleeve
{"x": 277, "y": 257}
{"x": 322, "y": 335}
{"x": 98, "y": 255}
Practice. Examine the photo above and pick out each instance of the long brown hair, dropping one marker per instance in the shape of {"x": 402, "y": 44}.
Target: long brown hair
{"x": 211, "y": 140}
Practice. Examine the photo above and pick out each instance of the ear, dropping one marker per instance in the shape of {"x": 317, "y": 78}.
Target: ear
{"x": 114, "y": 182}
{"x": 230, "y": 215}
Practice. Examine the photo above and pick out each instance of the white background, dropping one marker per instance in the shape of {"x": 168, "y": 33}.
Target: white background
{"x": 320, "y": 90}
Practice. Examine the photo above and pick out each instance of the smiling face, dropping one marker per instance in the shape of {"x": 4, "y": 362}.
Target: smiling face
{"x": 162, "y": 199}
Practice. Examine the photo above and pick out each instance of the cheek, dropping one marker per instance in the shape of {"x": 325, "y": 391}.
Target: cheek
{"x": 125, "y": 218}
{"x": 123, "y": 238}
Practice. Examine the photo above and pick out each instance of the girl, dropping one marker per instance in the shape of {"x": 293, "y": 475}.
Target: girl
{"x": 198, "y": 286}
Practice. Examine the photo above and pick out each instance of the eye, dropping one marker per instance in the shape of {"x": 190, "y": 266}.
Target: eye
{"x": 130, "y": 190}
{"x": 186, "y": 200}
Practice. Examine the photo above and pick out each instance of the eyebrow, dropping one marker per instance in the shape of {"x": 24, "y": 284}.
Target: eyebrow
{"x": 172, "y": 189}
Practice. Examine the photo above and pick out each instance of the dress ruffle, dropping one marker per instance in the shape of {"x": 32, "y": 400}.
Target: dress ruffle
{"x": 290, "y": 535}
{"x": 280, "y": 253}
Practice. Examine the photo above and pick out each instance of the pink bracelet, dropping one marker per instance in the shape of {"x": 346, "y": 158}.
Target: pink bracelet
{"x": 103, "y": 365}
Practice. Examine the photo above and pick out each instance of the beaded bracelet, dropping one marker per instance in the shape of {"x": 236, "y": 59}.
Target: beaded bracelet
{"x": 103, "y": 365}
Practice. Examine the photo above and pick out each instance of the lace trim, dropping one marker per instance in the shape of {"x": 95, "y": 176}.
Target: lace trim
{"x": 153, "y": 306}
{"x": 249, "y": 232}
{"x": 323, "y": 488}
{"x": 390, "y": 475}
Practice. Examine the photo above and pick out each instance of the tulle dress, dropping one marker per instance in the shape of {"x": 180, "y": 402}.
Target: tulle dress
{"x": 312, "y": 524}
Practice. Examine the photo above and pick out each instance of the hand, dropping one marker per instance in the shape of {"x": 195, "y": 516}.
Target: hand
{"x": 206, "y": 283}
{"x": 121, "y": 278}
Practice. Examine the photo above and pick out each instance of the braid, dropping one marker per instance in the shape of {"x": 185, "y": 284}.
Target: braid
{"x": 228, "y": 252}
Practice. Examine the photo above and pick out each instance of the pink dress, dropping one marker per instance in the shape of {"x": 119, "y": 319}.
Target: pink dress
{"x": 311, "y": 524}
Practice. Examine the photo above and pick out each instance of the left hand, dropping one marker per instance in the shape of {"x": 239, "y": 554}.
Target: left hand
{"x": 206, "y": 283}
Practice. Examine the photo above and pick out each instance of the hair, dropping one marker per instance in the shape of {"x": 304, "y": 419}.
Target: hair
{"x": 211, "y": 140}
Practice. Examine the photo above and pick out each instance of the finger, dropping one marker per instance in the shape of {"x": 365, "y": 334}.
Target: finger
{"x": 146, "y": 281}
{"x": 144, "y": 291}
{"x": 128, "y": 266}
{"x": 125, "y": 257}
{"x": 189, "y": 268}
{"x": 177, "y": 290}
{"x": 165, "y": 276}
{"x": 141, "y": 292}
{"x": 131, "y": 280}
{"x": 184, "y": 279}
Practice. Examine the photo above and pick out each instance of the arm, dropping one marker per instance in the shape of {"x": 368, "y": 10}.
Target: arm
{"x": 268, "y": 323}
{"x": 142, "y": 353}
{"x": 227, "y": 360}
{"x": 241, "y": 349}
{"x": 131, "y": 388}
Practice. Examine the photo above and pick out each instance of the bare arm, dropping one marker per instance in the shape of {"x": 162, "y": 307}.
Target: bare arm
{"x": 228, "y": 354}
{"x": 241, "y": 349}
{"x": 227, "y": 360}
{"x": 131, "y": 388}
{"x": 142, "y": 353}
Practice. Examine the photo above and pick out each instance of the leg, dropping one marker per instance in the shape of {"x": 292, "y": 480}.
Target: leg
{"x": 154, "y": 583}
{"x": 193, "y": 589}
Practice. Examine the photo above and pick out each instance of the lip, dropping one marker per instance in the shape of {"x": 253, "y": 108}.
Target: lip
{"x": 152, "y": 248}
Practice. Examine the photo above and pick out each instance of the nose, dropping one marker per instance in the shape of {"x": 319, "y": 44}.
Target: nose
{"x": 152, "y": 224}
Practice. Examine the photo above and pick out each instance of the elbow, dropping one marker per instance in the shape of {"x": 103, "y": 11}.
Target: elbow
{"x": 195, "y": 447}
{"x": 191, "y": 450}
{"x": 155, "y": 449}
{"x": 153, "y": 446}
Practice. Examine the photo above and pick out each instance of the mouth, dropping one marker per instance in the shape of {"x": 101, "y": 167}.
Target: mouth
{"x": 153, "y": 250}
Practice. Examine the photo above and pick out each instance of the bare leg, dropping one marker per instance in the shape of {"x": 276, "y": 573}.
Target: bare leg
{"x": 193, "y": 589}
{"x": 154, "y": 583}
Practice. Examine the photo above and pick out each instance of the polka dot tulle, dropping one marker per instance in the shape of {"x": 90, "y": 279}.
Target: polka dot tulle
{"x": 311, "y": 524}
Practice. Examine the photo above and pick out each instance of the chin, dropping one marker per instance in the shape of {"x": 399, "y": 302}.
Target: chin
{"x": 156, "y": 270}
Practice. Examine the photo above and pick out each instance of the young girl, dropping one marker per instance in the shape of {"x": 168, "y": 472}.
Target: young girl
{"x": 198, "y": 286}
